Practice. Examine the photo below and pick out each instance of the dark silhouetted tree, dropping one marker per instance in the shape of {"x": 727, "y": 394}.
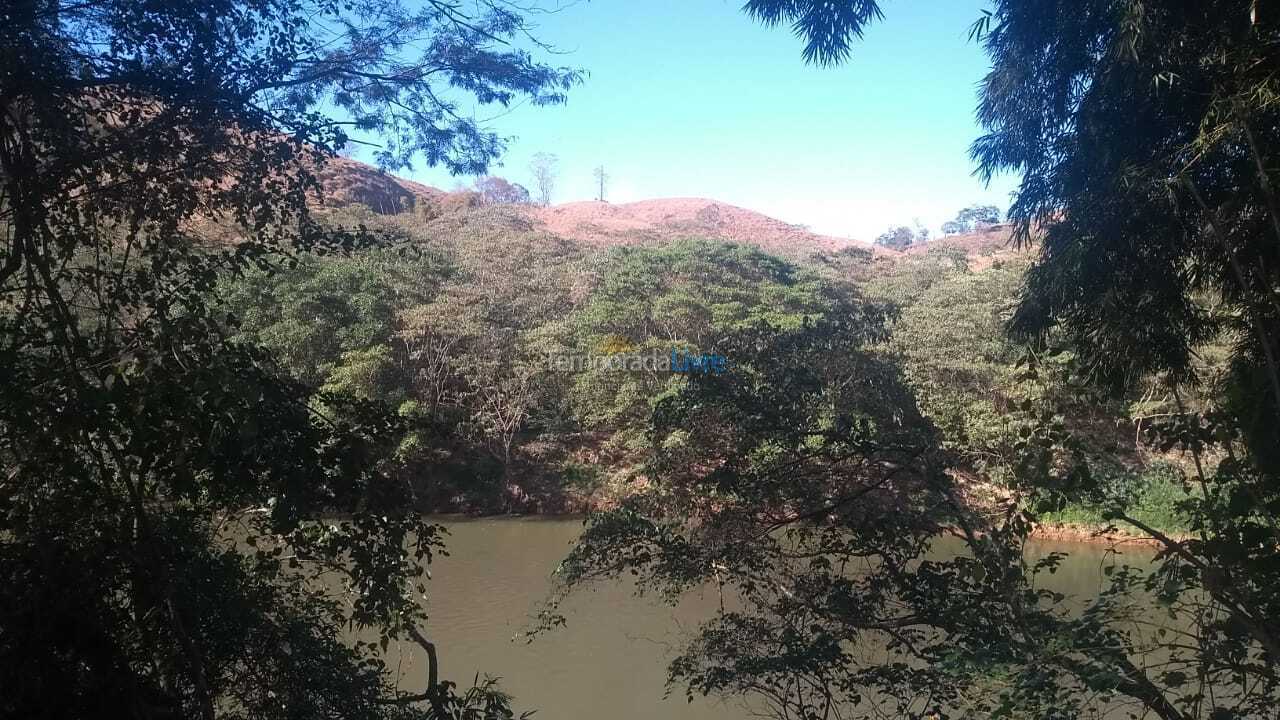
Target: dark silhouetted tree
{"x": 162, "y": 483}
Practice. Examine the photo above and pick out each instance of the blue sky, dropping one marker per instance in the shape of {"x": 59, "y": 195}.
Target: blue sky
{"x": 693, "y": 98}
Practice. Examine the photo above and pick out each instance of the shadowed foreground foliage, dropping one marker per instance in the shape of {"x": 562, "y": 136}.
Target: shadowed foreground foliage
{"x": 163, "y": 485}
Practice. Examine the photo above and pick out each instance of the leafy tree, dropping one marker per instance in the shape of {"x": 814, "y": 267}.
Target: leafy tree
{"x": 972, "y": 219}
{"x": 458, "y": 360}
{"x": 978, "y": 217}
{"x": 449, "y": 330}
{"x": 688, "y": 296}
{"x": 897, "y": 238}
{"x": 499, "y": 191}
{"x": 807, "y": 489}
{"x": 968, "y": 390}
{"x": 1158, "y": 223}
{"x": 311, "y": 313}
{"x": 164, "y": 482}
{"x": 827, "y": 28}
{"x": 977, "y": 389}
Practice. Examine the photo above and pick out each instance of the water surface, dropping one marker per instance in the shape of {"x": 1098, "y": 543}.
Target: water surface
{"x": 610, "y": 661}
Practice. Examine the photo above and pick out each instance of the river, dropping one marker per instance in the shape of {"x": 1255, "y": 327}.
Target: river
{"x": 610, "y": 660}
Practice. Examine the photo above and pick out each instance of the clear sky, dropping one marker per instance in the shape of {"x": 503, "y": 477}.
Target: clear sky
{"x": 692, "y": 98}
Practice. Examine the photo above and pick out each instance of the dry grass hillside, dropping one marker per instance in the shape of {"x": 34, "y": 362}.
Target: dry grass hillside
{"x": 656, "y": 221}
{"x": 992, "y": 239}
{"x": 646, "y": 222}
{"x": 346, "y": 182}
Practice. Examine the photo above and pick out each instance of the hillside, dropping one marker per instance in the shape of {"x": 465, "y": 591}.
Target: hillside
{"x": 505, "y": 287}
{"x": 986, "y": 240}
{"x": 646, "y": 222}
{"x": 666, "y": 219}
{"x": 348, "y": 182}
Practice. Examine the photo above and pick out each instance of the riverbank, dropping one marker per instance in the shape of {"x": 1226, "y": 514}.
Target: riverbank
{"x": 1096, "y": 535}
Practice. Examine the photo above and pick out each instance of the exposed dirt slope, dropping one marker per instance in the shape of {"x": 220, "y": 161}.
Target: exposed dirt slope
{"x": 347, "y": 181}
{"x": 655, "y": 221}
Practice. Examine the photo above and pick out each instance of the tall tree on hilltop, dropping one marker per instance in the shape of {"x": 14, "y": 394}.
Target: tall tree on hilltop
{"x": 161, "y": 481}
{"x": 601, "y": 178}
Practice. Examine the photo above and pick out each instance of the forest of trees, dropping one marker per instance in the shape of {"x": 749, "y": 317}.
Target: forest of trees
{"x": 220, "y": 402}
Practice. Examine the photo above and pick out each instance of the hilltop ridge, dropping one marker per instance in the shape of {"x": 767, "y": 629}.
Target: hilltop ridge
{"x": 665, "y": 218}
{"x": 644, "y": 222}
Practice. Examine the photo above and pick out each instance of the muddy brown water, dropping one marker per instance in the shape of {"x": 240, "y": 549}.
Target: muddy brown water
{"x": 610, "y": 660}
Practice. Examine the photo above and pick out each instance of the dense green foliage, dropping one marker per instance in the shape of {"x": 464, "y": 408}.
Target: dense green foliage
{"x": 857, "y": 385}
{"x": 1159, "y": 224}
{"x": 810, "y": 492}
{"x": 450, "y": 334}
{"x": 688, "y": 297}
{"x": 964, "y": 371}
{"x": 460, "y": 325}
{"x": 985, "y": 391}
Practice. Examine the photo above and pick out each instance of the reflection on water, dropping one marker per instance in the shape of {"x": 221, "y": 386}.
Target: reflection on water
{"x": 610, "y": 661}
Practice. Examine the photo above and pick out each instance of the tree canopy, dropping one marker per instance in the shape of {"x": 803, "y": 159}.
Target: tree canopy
{"x": 898, "y": 238}
{"x": 972, "y": 219}
{"x": 500, "y": 191}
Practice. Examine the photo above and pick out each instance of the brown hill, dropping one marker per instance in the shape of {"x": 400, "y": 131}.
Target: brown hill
{"x": 982, "y": 247}
{"x": 346, "y": 181}
{"x": 993, "y": 239}
{"x": 656, "y": 221}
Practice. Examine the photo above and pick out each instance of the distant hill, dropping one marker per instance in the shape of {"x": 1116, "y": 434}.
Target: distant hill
{"x": 656, "y": 221}
{"x": 646, "y": 222}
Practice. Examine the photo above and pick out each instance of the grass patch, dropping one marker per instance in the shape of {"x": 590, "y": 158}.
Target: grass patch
{"x": 1151, "y": 496}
